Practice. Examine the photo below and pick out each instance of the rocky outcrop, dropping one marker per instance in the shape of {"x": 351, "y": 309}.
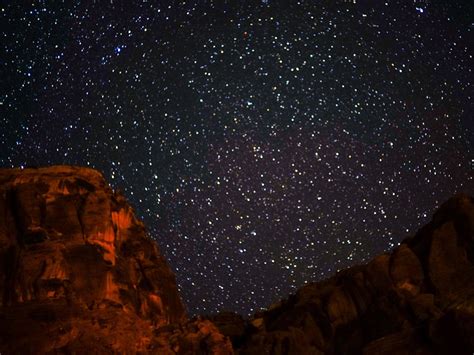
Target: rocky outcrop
{"x": 78, "y": 274}
{"x": 197, "y": 336}
{"x": 418, "y": 299}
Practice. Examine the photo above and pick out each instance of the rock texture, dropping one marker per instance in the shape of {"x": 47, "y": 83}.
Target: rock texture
{"x": 78, "y": 274}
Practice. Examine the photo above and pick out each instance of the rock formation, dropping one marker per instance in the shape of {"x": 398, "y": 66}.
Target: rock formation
{"x": 78, "y": 274}
{"x": 418, "y": 299}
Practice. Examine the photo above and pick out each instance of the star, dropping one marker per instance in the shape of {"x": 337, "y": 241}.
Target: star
{"x": 264, "y": 145}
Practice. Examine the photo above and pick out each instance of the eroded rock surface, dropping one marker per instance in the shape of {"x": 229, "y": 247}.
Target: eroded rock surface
{"x": 78, "y": 271}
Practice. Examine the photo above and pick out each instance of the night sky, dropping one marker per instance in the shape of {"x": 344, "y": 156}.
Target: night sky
{"x": 265, "y": 145}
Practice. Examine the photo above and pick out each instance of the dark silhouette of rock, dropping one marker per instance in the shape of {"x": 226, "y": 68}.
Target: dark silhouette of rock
{"x": 78, "y": 274}
{"x": 232, "y": 325}
{"x": 418, "y": 299}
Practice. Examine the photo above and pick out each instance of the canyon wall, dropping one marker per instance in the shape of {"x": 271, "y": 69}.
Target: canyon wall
{"x": 79, "y": 274}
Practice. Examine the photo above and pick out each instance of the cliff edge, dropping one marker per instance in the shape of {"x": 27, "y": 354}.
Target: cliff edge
{"x": 78, "y": 273}
{"x": 417, "y": 299}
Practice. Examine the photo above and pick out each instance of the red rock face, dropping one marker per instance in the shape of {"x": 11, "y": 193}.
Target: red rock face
{"x": 77, "y": 265}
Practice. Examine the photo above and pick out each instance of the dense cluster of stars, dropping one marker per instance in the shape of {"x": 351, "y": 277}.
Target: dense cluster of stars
{"x": 264, "y": 145}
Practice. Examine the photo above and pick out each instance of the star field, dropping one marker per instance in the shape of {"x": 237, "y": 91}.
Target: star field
{"x": 264, "y": 144}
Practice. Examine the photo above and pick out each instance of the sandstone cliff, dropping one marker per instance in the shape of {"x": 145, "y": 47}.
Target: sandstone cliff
{"x": 78, "y": 274}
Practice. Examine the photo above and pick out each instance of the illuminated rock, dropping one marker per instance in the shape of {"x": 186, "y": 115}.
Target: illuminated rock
{"x": 79, "y": 272}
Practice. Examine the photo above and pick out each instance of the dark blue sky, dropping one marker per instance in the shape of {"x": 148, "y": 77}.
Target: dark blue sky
{"x": 265, "y": 145}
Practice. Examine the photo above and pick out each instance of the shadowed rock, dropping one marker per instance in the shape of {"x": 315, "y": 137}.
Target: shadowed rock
{"x": 418, "y": 299}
